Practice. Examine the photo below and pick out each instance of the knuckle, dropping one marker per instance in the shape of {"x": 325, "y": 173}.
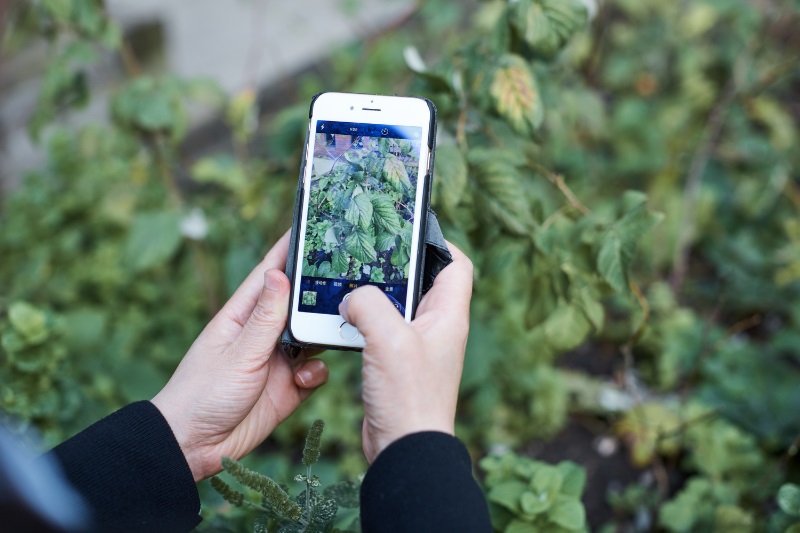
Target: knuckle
{"x": 264, "y": 315}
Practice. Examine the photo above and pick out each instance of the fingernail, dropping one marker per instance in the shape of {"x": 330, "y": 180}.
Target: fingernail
{"x": 271, "y": 282}
{"x": 304, "y": 376}
{"x": 343, "y": 309}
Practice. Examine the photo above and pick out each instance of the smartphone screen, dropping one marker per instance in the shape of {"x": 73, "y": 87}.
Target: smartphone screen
{"x": 359, "y": 229}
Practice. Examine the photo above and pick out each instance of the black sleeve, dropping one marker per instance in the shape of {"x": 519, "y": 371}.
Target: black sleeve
{"x": 131, "y": 471}
{"x": 423, "y": 482}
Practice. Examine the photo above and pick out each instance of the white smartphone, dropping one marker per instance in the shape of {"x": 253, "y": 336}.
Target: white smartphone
{"x": 365, "y": 194}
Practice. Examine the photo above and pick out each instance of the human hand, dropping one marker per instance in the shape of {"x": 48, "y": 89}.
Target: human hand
{"x": 411, "y": 372}
{"x": 234, "y": 385}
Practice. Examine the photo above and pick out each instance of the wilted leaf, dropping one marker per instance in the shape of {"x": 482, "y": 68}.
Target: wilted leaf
{"x": 644, "y": 427}
{"x": 516, "y": 94}
{"x": 394, "y": 172}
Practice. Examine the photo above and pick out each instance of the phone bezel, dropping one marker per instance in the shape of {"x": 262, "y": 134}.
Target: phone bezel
{"x": 323, "y": 329}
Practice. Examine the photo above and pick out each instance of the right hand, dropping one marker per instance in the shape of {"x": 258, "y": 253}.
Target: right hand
{"x": 411, "y": 372}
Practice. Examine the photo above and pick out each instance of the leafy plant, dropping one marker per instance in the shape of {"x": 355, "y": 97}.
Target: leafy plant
{"x": 531, "y": 496}
{"x": 360, "y": 213}
{"x": 309, "y": 512}
{"x": 676, "y": 306}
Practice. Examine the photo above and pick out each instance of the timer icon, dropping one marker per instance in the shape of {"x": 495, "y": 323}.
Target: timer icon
{"x": 385, "y": 131}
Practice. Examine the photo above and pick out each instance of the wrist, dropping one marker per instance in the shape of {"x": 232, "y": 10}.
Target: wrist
{"x": 384, "y": 439}
{"x": 172, "y": 414}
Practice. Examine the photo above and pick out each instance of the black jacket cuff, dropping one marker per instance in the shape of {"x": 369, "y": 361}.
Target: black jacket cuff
{"x": 132, "y": 472}
{"x": 423, "y": 482}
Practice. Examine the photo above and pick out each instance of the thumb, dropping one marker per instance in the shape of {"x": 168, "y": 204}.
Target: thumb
{"x": 268, "y": 319}
{"x": 369, "y": 310}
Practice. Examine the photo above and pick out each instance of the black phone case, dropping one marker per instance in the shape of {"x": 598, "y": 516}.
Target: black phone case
{"x": 433, "y": 256}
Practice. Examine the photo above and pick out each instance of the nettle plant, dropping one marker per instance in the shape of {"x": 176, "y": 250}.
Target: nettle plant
{"x": 276, "y": 511}
{"x": 547, "y": 262}
{"x": 361, "y": 210}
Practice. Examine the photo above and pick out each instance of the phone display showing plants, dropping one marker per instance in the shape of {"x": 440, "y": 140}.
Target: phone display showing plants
{"x": 360, "y": 213}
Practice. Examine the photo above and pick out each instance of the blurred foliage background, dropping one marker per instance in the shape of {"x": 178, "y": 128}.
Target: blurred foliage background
{"x": 623, "y": 173}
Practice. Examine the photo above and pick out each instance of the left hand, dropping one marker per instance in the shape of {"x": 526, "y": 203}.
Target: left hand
{"x": 234, "y": 385}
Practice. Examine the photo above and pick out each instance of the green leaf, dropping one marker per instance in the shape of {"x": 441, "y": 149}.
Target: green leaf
{"x": 568, "y": 513}
{"x": 385, "y": 242}
{"x": 517, "y": 526}
{"x": 619, "y": 244}
{"x": 340, "y": 261}
{"x": 149, "y": 105}
{"x": 385, "y": 213}
{"x": 546, "y": 479}
{"x": 566, "y": 328}
{"x": 204, "y": 90}
{"x": 59, "y": 9}
{"x": 499, "y": 183}
{"x": 345, "y": 493}
{"x": 330, "y": 236}
{"x": 534, "y": 503}
{"x": 789, "y": 499}
{"x": 508, "y": 494}
{"x": 449, "y": 177}
{"x": 359, "y": 212}
{"x": 360, "y": 245}
{"x": 153, "y": 239}
{"x": 574, "y": 479}
{"x": 222, "y": 170}
{"x": 516, "y": 94}
{"x": 545, "y": 26}
{"x": 395, "y": 173}
{"x": 401, "y": 255}
{"x": 324, "y": 269}
{"x": 29, "y": 321}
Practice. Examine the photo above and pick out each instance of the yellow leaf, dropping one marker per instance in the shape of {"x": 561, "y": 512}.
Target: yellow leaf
{"x": 516, "y": 94}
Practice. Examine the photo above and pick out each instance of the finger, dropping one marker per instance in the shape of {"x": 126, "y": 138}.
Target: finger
{"x": 369, "y": 310}
{"x": 311, "y": 374}
{"x": 240, "y": 306}
{"x": 452, "y": 289}
{"x": 265, "y": 324}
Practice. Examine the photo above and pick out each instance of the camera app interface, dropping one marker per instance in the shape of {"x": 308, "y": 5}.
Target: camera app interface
{"x": 361, "y": 213}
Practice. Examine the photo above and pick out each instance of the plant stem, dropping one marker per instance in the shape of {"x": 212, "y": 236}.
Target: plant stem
{"x": 308, "y": 498}
{"x": 559, "y": 182}
{"x": 691, "y": 192}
